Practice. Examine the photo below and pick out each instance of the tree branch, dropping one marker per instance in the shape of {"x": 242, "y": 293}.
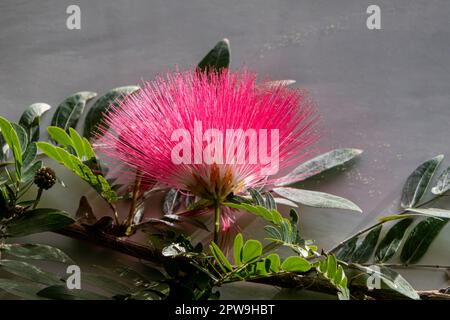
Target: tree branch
{"x": 309, "y": 281}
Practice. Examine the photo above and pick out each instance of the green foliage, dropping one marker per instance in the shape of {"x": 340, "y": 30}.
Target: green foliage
{"x": 69, "y": 111}
{"x": 75, "y": 163}
{"x": 417, "y": 183}
{"x": 31, "y": 118}
{"x": 391, "y": 242}
{"x": 319, "y": 164}
{"x": 98, "y": 111}
{"x": 216, "y": 59}
{"x": 295, "y": 264}
{"x": 35, "y": 252}
{"x": 334, "y": 272}
{"x": 12, "y": 139}
{"x": 316, "y": 199}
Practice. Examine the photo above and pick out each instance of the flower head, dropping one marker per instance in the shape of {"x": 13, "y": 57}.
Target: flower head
{"x": 210, "y": 134}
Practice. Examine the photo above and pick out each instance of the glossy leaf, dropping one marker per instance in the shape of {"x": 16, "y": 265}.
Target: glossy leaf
{"x": 434, "y": 212}
{"x": 171, "y": 201}
{"x": 417, "y": 183}
{"x": 98, "y": 111}
{"x": 36, "y": 252}
{"x": 29, "y": 272}
{"x": 31, "y": 118}
{"x": 316, "y": 199}
{"x": 392, "y": 240}
{"x": 319, "y": 164}
{"x": 365, "y": 249}
{"x": 11, "y": 138}
{"x": 29, "y": 155}
{"x": 69, "y": 111}
{"x": 62, "y": 293}
{"x": 37, "y": 220}
{"x": 29, "y": 173}
{"x": 22, "y": 135}
{"x": 216, "y": 59}
{"x": 420, "y": 239}
{"x": 21, "y": 289}
{"x": 347, "y": 250}
{"x": 443, "y": 183}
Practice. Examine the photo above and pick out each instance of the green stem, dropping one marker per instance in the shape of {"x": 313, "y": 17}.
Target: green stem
{"x": 216, "y": 221}
{"x": 38, "y": 198}
{"x": 136, "y": 191}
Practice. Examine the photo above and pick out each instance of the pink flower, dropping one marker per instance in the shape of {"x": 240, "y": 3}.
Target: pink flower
{"x": 150, "y": 131}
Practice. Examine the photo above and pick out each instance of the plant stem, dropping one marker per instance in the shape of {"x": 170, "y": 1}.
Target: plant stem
{"x": 216, "y": 221}
{"x": 136, "y": 191}
{"x": 38, "y": 198}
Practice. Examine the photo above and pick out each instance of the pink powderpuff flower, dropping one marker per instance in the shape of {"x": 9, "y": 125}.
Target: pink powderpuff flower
{"x": 155, "y": 131}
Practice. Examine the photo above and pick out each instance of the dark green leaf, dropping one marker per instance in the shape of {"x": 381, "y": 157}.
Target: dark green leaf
{"x": 319, "y": 164}
{"x": 37, "y": 252}
{"x": 216, "y": 59}
{"x": 29, "y": 155}
{"x": 257, "y": 197}
{"x": 29, "y": 272}
{"x": 417, "y": 183}
{"x": 365, "y": 249}
{"x": 220, "y": 257}
{"x": 29, "y": 173}
{"x": 391, "y": 242}
{"x": 420, "y": 239}
{"x": 20, "y": 289}
{"x": 69, "y": 111}
{"x": 30, "y": 119}
{"x": 270, "y": 201}
{"x": 316, "y": 199}
{"x": 95, "y": 116}
{"x": 435, "y": 212}
{"x": 38, "y": 220}
{"x": 22, "y": 135}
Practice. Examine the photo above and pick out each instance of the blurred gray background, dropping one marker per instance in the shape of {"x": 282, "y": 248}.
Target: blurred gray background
{"x": 384, "y": 91}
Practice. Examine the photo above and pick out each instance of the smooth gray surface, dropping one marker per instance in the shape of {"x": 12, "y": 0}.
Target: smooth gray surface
{"x": 384, "y": 91}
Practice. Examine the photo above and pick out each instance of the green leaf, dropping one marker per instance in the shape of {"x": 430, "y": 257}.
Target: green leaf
{"x": 29, "y": 155}
{"x": 22, "y": 135}
{"x": 417, "y": 183}
{"x": 237, "y": 248}
{"x": 20, "y": 289}
{"x": 443, "y": 183}
{"x": 274, "y": 262}
{"x": 220, "y": 257}
{"x": 347, "y": 250}
{"x": 29, "y": 173}
{"x": 96, "y": 114}
{"x": 251, "y": 251}
{"x": 420, "y": 239}
{"x": 62, "y": 293}
{"x": 295, "y": 264}
{"x": 216, "y": 59}
{"x": 331, "y": 266}
{"x": 435, "y": 212}
{"x": 389, "y": 279}
{"x": 11, "y": 138}
{"x": 74, "y": 164}
{"x": 270, "y": 215}
{"x": 392, "y": 240}
{"x": 69, "y": 111}
{"x": 37, "y": 220}
{"x": 36, "y": 252}
{"x": 30, "y": 119}
{"x": 78, "y": 144}
{"x": 60, "y": 136}
{"x": 29, "y": 272}
{"x": 319, "y": 164}
{"x": 257, "y": 197}
{"x": 365, "y": 249}
{"x": 270, "y": 201}
{"x": 316, "y": 199}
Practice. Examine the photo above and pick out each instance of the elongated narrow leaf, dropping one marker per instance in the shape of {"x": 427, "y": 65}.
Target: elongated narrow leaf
{"x": 319, "y": 164}
{"x": 216, "y": 59}
{"x": 364, "y": 250}
{"x": 29, "y": 155}
{"x": 237, "y": 248}
{"x": 347, "y": 250}
{"x": 417, "y": 183}
{"x": 69, "y": 111}
{"x": 22, "y": 135}
{"x": 295, "y": 264}
{"x": 220, "y": 257}
{"x": 285, "y": 202}
{"x": 31, "y": 119}
{"x": 38, "y": 220}
{"x": 420, "y": 239}
{"x": 269, "y": 201}
{"x": 435, "y": 212}
{"x": 21, "y": 289}
{"x": 29, "y": 272}
{"x": 443, "y": 183}
{"x": 316, "y": 199}
{"x": 37, "y": 252}
{"x": 98, "y": 111}
{"x": 392, "y": 240}
{"x": 257, "y": 197}
{"x": 277, "y": 83}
